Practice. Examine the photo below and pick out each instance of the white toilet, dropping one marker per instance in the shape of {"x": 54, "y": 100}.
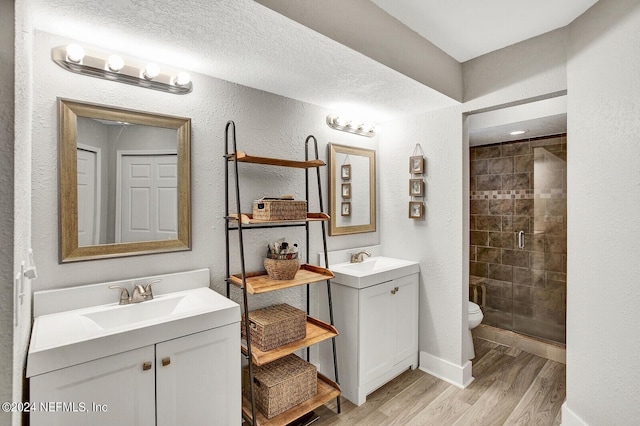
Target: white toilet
{"x": 475, "y": 318}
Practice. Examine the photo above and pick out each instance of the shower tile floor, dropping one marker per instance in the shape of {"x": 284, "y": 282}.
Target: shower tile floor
{"x": 542, "y": 330}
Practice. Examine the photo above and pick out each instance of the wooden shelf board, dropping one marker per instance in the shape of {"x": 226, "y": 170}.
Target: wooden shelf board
{"x": 259, "y": 282}
{"x": 317, "y": 331}
{"x": 247, "y": 219}
{"x": 242, "y": 157}
{"x": 326, "y": 391}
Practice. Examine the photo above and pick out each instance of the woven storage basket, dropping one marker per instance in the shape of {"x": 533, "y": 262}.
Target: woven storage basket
{"x": 279, "y": 210}
{"x": 281, "y": 384}
{"x": 281, "y": 269}
{"x": 275, "y": 326}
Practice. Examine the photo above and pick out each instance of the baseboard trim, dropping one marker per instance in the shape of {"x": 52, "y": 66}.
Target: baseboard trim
{"x": 457, "y": 375}
{"x": 569, "y": 418}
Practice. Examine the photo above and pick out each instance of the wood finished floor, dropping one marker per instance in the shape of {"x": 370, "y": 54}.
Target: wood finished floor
{"x": 511, "y": 387}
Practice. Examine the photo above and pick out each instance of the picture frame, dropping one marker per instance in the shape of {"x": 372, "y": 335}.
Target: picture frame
{"x": 416, "y": 209}
{"x": 416, "y": 164}
{"x": 346, "y": 209}
{"x": 346, "y": 190}
{"x": 416, "y": 187}
{"x": 345, "y": 171}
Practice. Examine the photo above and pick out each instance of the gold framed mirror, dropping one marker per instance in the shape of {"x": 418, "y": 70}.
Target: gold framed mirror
{"x": 124, "y": 182}
{"x": 352, "y": 189}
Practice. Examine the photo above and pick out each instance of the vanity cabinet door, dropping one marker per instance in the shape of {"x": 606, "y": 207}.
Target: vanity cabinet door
{"x": 377, "y": 324}
{"x": 405, "y": 304}
{"x": 198, "y": 379}
{"x": 115, "y": 390}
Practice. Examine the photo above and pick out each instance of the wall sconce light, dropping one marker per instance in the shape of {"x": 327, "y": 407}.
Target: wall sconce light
{"x": 113, "y": 67}
{"x": 346, "y": 125}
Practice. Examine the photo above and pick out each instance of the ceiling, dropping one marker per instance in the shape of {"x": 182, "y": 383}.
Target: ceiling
{"x": 244, "y": 42}
{"x": 466, "y": 29}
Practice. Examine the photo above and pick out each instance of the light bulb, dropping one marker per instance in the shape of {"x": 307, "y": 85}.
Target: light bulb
{"x": 115, "y": 63}
{"x": 151, "y": 71}
{"x": 339, "y": 121}
{"x": 517, "y": 132}
{"x": 183, "y": 78}
{"x": 75, "y": 53}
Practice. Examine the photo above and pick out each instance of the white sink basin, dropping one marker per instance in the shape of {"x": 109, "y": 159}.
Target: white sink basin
{"x": 372, "y": 270}
{"x": 71, "y": 337}
{"x": 126, "y": 315}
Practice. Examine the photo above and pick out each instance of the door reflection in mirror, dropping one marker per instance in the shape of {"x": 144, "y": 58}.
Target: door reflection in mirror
{"x": 130, "y": 193}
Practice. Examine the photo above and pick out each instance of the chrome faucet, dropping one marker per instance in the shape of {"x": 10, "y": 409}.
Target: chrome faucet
{"x": 359, "y": 257}
{"x": 141, "y": 292}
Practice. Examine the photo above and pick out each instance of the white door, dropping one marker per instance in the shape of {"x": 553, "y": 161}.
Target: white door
{"x": 405, "y": 302}
{"x": 88, "y": 201}
{"x": 377, "y": 326}
{"x": 115, "y": 390}
{"x": 149, "y": 198}
{"x": 198, "y": 379}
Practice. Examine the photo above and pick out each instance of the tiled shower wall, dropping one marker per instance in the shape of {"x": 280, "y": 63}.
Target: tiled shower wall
{"x": 521, "y": 186}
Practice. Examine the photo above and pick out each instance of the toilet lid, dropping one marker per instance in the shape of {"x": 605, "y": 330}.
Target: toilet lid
{"x": 473, "y": 308}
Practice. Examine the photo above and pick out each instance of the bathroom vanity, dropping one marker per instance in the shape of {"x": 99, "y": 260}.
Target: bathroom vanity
{"x": 167, "y": 361}
{"x": 375, "y": 305}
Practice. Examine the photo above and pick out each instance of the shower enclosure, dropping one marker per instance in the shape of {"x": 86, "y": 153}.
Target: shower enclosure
{"x": 518, "y": 223}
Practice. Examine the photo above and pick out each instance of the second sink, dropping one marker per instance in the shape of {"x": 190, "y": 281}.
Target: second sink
{"x": 372, "y": 270}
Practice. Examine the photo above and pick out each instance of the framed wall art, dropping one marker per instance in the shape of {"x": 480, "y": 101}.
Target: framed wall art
{"x": 346, "y": 190}
{"x": 346, "y": 209}
{"x": 416, "y": 187}
{"x": 416, "y": 209}
{"x": 416, "y": 164}
{"x": 345, "y": 171}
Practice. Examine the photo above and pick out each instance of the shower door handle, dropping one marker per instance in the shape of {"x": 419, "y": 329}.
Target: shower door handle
{"x": 521, "y": 240}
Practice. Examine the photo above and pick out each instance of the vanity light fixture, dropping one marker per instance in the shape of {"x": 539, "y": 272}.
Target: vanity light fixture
{"x": 182, "y": 79}
{"x": 113, "y": 67}
{"x": 74, "y": 53}
{"x": 358, "y": 127}
{"x": 115, "y": 63}
{"x": 151, "y": 71}
{"x": 518, "y": 132}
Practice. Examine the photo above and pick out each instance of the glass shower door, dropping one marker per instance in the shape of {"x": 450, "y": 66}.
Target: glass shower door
{"x": 540, "y": 291}
{"x": 518, "y": 235}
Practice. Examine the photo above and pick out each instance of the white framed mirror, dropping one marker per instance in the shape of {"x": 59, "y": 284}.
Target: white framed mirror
{"x": 352, "y": 189}
{"x": 124, "y": 182}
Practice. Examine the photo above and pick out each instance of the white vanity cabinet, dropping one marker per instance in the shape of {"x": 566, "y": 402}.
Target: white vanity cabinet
{"x": 118, "y": 384}
{"x": 192, "y": 380}
{"x": 200, "y": 383}
{"x": 378, "y": 333}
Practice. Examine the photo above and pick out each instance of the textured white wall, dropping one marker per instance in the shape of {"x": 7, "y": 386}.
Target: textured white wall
{"x": 267, "y": 125}
{"x": 437, "y": 241}
{"x": 6, "y": 203}
{"x": 22, "y": 189}
{"x": 603, "y": 364}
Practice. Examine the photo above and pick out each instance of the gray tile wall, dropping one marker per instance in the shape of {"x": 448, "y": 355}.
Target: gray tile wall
{"x": 521, "y": 186}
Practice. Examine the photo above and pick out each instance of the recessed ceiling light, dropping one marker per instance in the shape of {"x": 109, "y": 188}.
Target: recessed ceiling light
{"x": 518, "y": 132}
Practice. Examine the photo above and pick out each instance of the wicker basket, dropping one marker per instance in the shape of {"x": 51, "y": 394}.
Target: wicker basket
{"x": 281, "y": 269}
{"x": 275, "y": 326}
{"x": 279, "y": 210}
{"x": 281, "y": 384}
